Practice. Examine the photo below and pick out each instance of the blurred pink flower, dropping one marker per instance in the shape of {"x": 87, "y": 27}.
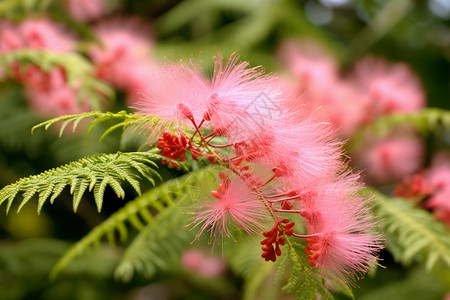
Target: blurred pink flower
{"x": 45, "y": 34}
{"x": 393, "y": 87}
{"x": 318, "y": 87}
{"x": 174, "y": 92}
{"x": 125, "y": 46}
{"x": 313, "y": 68}
{"x": 347, "y": 108}
{"x": 270, "y": 135}
{"x": 438, "y": 177}
{"x": 191, "y": 259}
{"x": 10, "y": 38}
{"x": 49, "y": 95}
{"x": 391, "y": 158}
{"x": 136, "y": 80}
{"x": 197, "y": 261}
{"x": 86, "y": 10}
{"x": 57, "y": 102}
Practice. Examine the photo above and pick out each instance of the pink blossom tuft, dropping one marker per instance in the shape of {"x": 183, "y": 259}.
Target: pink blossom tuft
{"x": 241, "y": 98}
{"x": 301, "y": 151}
{"x": 232, "y": 101}
{"x": 392, "y": 87}
{"x": 391, "y": 158}
{"x": 340, "y": 242}
{"x": 234, "y": 204}
{"x": 170, "y": 86}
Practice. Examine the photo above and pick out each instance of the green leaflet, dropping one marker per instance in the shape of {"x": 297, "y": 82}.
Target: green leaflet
{"x": 92, "y": 173}
{"x": 246, "y": 261}
{"x": 412, "y": 233}
{"x": 304, "y": 282}
{"x": 140, "y": 213}
{"x": 139, "y": 122}
{"x": 8, "y": 7}
{"x": 425, "y": 121}
{"x": 158, "y": 246}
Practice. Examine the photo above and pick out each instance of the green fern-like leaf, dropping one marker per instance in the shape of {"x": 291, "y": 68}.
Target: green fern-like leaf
{"x": 125, "y": 120}
{"x": 425, "y": 120}
{"x": 78, "y": 70}
{"x": 157, "y": 247}
{"x": 262, "y": 280}
{"x": 22, "y": 7}
{"x": 304, "y": 282}
{"x": 92, "y": 173}
{"x": 137, "y": 213}
{"x": 16, "y": 119}
{"x": 412, "y": 233}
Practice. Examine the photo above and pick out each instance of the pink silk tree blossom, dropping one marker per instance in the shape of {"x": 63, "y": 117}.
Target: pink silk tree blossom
{"x": 86, "y": 10}
{"x": 393, "y": 87}
{"x": 282, "y": 163}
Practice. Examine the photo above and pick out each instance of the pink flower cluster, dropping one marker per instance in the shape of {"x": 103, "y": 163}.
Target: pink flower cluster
{"x": 391, "y": 158}
{"x": 374, "y": 88}
{"x": 47, "y": 91}
{"x": 282, "y": 164}
{"x": 431, "y": 187}
{"x": 205, "y": 265}
{"x": 122, "y": 57}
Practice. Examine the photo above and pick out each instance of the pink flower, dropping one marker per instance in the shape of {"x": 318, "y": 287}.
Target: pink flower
{"x": 175, "y": 93}
{"x": 230, "y": 102}
{"x": 125, "y": 45}
{"x": 49, "y": 94}
{"x": 317, "y": 87}
{"x": 234, "y": 205}
{"x": 191, "y": 259}
{"x": 438, "y": 177}
{"x": 134, "y": 79}
{"x": 45, "y": 34}
{"x": 10, "y": 38}
{"x": 86, "y": 10}
{"x": 121, "y": 39}
{"x": 123, "y": 58}
{"x": 392, "y": 87}
{"x": 197, "y": 261}
{"x": 301, "y": 152}
{"x": 391, "y": 158}
{"x": 57, "y": 102}
{"x": 340, "y": 239}
{"x": 313, "y": 67}
{"x": 267, "y": 133}
{"x": 346, "y": 107}
{"x": 241, "y": 98}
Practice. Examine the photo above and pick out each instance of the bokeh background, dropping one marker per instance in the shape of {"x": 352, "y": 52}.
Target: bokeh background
{"x": 113, "y": 47}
